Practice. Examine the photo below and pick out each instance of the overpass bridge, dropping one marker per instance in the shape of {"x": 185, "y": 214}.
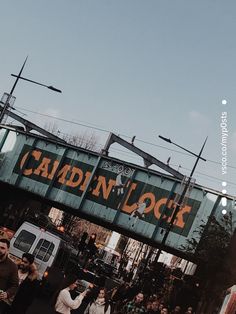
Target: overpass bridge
{"x": 133, "y": 200}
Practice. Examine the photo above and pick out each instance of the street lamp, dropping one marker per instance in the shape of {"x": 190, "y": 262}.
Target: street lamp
{"x": 182, "y": 196}
{"x": 50, "y": 87}
{"x": 169, "y": 141}
{"x": 9, "y": 97}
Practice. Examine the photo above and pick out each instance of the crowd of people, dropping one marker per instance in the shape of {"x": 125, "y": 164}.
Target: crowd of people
{"x": 19, "y": 286}
{"x": 142, "y": 304}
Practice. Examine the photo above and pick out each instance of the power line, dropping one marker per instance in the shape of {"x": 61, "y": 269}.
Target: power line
{"x": 124, "y": 135}
{"x": 66, "y": 120}
{"x": 208, "y": 176}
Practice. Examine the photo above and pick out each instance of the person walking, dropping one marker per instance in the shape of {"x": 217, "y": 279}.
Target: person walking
{"x": 62, "y": 301}
{"x": 27, "y": 268}
{"x": 189, "y": 310}
{"x": 165, "y": 310}
{"x": 100, "y": 305}
{"x": 176, "y": 310}
{"x": 119, "y": 295}
{"x": 28, "y": 284}
{"x": 136, "y": 306}
{"x": 82, "y": 243}
{"x": 8, "y": 276}
{"x": 154, "y": 307}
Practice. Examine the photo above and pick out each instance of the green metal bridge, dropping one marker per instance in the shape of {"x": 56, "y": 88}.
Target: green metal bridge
{"x": 133, "y": 200}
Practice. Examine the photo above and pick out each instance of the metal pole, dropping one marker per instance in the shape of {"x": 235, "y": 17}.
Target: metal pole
{"x": 31, "y": 81}
{"x": 6, "y": 104}
{"x": 178, "y": 206}
{"x": 169, "y": 141}
{"x": 11, "y": 92}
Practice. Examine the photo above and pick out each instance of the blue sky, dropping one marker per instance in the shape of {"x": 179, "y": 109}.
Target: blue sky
{"x": 132, "y": 67}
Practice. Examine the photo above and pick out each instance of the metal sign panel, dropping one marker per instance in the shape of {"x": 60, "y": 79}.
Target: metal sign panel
{"x": 124, "y": 196}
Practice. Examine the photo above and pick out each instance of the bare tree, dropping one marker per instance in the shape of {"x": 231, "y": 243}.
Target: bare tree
{"x": 85, "y": 139}
{"x": 52, "y": 127}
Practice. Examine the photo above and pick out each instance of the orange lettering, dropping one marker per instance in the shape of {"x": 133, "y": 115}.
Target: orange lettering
{"x": 36, "y": 154}
{"x": 129, "y": 208}
{"x": 150, "y": 196}
{"x": 159, "y": 203}
{"x": 105, "y": 189}
{"x": 75, "y": 171}
{"x": 180, "y": 221}
{"x": 54, "y": 168}
{"x": 43, "y": 167}
{"x": 63, "y": 172}
{"x": 87, "y": 176}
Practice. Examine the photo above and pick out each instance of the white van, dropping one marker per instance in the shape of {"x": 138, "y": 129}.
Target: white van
{"x": 54, "y": 256}
{"x": 43, "y": 244}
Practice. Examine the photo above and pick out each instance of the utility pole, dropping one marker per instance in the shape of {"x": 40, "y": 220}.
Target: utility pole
{"x": 182, "y": 196}
{"x": 9, "y": 97}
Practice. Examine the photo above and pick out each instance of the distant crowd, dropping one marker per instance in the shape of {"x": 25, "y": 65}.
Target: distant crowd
{"x": 19, "y": 286}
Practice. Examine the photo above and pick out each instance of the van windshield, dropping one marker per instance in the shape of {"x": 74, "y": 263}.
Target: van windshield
{"x": 24, "y": 241}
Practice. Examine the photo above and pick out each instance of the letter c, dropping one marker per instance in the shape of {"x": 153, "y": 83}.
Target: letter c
{"x": 36, "y": 154}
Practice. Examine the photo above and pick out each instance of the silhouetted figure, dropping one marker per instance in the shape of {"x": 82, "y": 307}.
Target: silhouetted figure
{"x": 82, "y": 242}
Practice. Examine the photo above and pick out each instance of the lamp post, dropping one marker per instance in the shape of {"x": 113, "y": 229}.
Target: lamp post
{"x": 181, "y": 199}
{"x": 9, "y": 96}
{"x": 49, "y": 87}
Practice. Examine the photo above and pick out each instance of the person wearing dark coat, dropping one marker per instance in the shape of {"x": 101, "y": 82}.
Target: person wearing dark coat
{"x": 28, "y": 285}
{"x": 8, "y": 276}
